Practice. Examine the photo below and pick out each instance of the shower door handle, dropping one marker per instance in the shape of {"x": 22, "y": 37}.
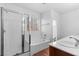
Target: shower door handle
{"x": 29, "y": 39}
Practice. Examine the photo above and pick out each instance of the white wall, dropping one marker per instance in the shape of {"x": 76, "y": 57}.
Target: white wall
{"x": 70, "y": 23}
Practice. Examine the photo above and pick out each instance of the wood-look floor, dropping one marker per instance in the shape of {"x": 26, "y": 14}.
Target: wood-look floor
{"x": 44, "y": 52}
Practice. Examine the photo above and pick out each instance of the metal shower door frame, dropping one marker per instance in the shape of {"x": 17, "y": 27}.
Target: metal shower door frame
{"x": 2, "y": 33}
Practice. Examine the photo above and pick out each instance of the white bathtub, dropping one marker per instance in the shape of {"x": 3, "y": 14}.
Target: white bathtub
{"x": 38, "y": 46}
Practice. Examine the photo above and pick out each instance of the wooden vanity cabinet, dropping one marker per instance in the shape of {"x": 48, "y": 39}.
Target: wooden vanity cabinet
{"x": 57, "y": 52}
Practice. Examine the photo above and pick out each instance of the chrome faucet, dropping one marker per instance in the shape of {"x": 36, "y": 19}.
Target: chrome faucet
{"x": 77, "y": 41}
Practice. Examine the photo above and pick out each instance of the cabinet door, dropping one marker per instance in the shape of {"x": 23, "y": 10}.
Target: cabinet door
{"x": 12, "y": 35}
{"x": 56, "y": 52}
{"x": 51, "y": 51}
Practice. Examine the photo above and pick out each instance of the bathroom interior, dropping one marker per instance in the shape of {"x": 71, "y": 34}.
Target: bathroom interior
{"x": 39, "y": 29}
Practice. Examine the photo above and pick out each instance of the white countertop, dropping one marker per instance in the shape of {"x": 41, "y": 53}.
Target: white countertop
{"x": 73, "y": 51}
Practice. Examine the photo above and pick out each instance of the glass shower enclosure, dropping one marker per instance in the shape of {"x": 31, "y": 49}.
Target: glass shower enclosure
{"x": 14, "y": 35}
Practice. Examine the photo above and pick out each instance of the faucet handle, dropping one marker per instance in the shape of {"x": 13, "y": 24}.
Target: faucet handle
{"x": 75, "y": 39}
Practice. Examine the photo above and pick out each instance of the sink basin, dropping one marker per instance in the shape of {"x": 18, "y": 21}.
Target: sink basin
{"x": 70, "y": 43}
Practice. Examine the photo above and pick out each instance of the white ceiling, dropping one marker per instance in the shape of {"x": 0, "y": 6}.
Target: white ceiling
{"x": 58, "y": 7}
